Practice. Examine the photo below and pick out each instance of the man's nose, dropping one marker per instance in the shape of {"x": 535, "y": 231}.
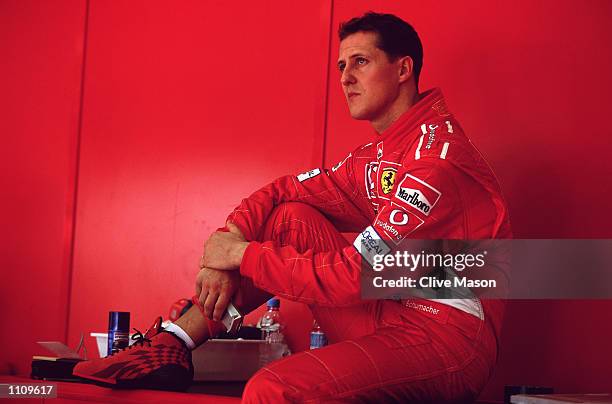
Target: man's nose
{"x": 347, "y": 78}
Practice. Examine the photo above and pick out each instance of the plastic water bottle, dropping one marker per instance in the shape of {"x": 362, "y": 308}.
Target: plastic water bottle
{"x": 271, "y": 323}
{"x": 272, "y": 333}
{"x": 317, "y": 336}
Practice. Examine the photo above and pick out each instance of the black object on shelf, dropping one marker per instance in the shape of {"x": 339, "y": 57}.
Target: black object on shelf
{"x": 59, "y": 369}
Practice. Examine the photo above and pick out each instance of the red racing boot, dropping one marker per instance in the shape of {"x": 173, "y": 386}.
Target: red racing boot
{"x": 157, "y": 360}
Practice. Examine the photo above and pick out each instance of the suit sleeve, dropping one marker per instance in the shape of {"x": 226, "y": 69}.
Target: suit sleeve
{"x": 333, "y": 278}
{"x": 330, "y": 191}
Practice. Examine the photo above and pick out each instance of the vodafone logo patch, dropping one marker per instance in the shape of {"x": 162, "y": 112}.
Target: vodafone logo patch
{"x": 396, "y": 224}
{"x": 417, "y": 194}
{"x": 398, "y": 217}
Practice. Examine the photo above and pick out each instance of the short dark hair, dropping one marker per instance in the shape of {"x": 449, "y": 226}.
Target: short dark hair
{"x": 396, "y": 37}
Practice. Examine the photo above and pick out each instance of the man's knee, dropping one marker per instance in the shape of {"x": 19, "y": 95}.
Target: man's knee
{"x": 301, "y": 226}
{"x": 290, "y": 216}
{"x": 294, "y": 210}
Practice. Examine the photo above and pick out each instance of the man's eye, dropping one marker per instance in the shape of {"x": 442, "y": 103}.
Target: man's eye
{"x": 361, "y": 61}
{"x": 341, "y": 67}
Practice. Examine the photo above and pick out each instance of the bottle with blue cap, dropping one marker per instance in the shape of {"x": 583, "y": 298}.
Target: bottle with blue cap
{"x": 318, "y": 339}
{"x": 271, "y": 323}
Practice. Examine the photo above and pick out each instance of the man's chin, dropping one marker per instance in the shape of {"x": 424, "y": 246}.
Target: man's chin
{"x": 359, "y": 115}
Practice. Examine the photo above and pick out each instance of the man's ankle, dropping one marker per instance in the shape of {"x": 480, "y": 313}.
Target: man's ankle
{"x": 180, "y": 333}
{"x": 194, "y": 325}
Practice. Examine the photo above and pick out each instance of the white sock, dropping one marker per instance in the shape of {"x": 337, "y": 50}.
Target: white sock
{"x": 179, "y": 332}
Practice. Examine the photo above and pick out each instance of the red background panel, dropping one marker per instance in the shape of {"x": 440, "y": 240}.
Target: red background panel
{"x": 41, "y": 44}
{"x": 188, "y": 108}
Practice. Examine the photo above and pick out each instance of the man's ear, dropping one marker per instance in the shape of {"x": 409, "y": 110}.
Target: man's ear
{"x": 406, "y": 68}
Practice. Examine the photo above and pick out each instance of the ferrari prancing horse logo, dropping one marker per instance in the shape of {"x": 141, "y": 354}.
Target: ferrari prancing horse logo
{"x": 387, "y": 180}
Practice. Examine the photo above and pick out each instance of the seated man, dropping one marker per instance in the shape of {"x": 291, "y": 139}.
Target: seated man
{"x": 420, "y": 178}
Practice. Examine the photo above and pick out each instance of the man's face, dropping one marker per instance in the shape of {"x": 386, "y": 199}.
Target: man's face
{"x": 369, "y": 80}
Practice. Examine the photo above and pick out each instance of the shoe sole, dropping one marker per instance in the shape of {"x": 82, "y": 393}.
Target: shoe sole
{"x": 169, "y": 377}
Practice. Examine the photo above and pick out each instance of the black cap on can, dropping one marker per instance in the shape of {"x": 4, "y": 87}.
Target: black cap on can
{"x": 119, "y": 320}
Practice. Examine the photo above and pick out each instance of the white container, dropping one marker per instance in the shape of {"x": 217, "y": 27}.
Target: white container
{"x": 234, "y": 359}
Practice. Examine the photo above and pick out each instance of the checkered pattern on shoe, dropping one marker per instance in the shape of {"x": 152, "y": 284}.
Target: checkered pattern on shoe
{"x": 158, "y": 360}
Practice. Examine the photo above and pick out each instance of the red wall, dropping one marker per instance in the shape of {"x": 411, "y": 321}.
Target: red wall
{"x": 41, "y": 44}
{"x": 187, "y": 108}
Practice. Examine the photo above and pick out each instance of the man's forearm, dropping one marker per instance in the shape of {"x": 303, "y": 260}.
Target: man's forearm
{"x": 238, "y": 252}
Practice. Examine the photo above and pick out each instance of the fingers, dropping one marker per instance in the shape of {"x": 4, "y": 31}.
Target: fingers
{"x": 203, "y": 295}
{"x": 209, "y": 304}
{"x": 198, "y": 283}
{"x": 221, "y": 306}
{"x": 215, "y": 289}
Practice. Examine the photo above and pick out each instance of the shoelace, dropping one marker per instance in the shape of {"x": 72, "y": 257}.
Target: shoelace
{"x": 139, "y": 339}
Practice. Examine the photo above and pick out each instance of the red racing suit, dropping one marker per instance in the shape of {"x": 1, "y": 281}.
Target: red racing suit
{"x": 421, "y": 178}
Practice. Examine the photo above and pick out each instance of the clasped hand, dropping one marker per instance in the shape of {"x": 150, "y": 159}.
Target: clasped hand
{"x": 218, "y": 281}
{"x": 224, "y": 249}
